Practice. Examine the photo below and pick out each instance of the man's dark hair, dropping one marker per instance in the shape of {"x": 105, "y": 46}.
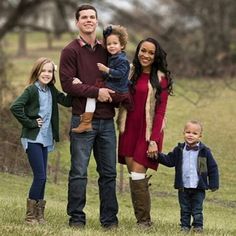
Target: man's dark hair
{"x": 84, "y": 7}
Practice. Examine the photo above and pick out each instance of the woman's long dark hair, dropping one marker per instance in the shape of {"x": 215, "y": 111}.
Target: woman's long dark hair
{"x": 159, "y": 63}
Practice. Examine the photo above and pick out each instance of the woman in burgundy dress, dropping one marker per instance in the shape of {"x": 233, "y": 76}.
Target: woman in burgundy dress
{"x": 141, "y": 130}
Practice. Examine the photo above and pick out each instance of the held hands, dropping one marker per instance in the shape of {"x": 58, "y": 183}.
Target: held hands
{"x": 152, "y": 151}
{"x": 40, "y": 122}
{"x": 104, "y": 95}
{"x": 103, "y": 68}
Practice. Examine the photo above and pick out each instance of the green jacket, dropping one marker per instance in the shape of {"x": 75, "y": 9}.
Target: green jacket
{"x": 26, "y": 108}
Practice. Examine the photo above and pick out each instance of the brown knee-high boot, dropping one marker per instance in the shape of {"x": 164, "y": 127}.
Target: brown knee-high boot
{"x": 40, "y": 206}
{"x": 30, "y": 217}
{"x": 85, "y": 123}
{"x": 141, "y": 201}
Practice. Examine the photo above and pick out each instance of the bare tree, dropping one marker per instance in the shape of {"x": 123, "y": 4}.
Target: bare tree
{"x": 206, "y": 28}
{"x": 24, "y": 7}
{"x": 196, "y": 34}
{"x": 59, "y": 19}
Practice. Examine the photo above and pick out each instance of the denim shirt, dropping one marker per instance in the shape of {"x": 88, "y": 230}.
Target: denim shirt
{"x": 119, "y": 68}
{"x": 45, "y": 136}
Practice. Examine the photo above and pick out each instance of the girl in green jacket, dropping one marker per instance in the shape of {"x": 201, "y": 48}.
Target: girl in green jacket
{"x": 37, "y": 110}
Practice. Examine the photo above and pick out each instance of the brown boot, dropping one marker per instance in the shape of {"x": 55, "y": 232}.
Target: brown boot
{"x": 141, "y": 201}
{"x": 85, "y": 123}
{"x": 30, "y": 217}
{"x": 40, "y": 206}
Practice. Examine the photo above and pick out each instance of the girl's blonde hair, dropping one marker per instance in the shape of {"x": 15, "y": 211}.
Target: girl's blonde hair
{"x": 37, "y": 69}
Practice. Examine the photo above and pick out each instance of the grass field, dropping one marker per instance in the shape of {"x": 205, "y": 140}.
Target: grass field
{"x": 208, "y": 100}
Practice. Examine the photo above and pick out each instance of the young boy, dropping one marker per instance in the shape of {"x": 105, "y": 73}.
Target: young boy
{"x": 195, "y": 171}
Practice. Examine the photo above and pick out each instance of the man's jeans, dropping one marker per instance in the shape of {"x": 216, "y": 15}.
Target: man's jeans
{"x": 191, "y": 203}
{"x": 102, "y": 140}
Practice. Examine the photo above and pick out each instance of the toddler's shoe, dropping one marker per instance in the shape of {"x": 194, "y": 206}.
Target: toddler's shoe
{"x": 198, "y": 230}
{"x": 184, "y": 229}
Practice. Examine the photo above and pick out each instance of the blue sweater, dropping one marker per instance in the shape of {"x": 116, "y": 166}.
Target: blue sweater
{"x": 207, "y": 167}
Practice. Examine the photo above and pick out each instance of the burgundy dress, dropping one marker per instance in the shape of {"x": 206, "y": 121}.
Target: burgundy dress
{"x": 132, "y": 143}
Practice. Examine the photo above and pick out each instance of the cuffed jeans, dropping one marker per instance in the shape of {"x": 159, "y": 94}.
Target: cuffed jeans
{"x": 102, "y": 140}
{"x": 191, "y": 204}
{"x": 37, "y": 155}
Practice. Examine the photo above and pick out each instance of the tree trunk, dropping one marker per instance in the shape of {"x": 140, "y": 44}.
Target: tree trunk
{"x": 3, "y": 77}
{"x": 49, "y": 40}
{"x": 22, "y": 51}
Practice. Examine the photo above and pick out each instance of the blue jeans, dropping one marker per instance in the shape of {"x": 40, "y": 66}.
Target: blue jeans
{"x": 191, "y": 204}
{"x": 37, "y": 155}
{"x": 102, "y": 140}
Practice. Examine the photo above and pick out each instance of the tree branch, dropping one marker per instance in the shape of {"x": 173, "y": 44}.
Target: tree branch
{"x": 23, "y": 8}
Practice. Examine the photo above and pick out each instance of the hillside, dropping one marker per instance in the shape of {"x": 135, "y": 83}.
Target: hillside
{"x": 211, "y": 101}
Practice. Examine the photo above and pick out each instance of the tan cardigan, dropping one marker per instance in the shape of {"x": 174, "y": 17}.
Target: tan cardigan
{"x": 150, "y": 110}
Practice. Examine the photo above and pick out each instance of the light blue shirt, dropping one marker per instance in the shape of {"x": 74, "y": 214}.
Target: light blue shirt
{"x": 189, "y": 168}
{"x": 45, "y": 136}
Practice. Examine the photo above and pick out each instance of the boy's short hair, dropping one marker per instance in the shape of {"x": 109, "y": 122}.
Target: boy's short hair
{"x": 84, "y": 7}
{"x": 195, "y": 122}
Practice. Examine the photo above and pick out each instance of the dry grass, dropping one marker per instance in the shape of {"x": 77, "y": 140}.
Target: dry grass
{"x": 211, "y": 101}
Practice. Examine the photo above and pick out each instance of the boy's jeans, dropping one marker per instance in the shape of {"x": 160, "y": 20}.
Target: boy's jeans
{"x": 191, "y": 204}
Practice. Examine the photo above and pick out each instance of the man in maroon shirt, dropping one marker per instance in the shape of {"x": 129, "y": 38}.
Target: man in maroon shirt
{"x": 79, "y": 59}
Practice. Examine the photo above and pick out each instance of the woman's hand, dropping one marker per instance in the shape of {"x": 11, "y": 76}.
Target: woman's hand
{"x": 152, "y": 151}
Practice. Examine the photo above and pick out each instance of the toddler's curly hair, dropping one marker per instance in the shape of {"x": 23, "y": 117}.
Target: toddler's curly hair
{"x": 118, "y": 30}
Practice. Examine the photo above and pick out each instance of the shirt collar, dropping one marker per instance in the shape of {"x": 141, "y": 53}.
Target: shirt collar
{"x": 119, "y": 54}
{"x": 197, "y": 144}
{"x": 83, "y": 43}
{"x": 44, "y": 89}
